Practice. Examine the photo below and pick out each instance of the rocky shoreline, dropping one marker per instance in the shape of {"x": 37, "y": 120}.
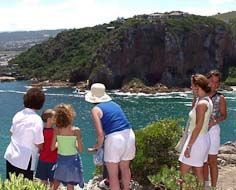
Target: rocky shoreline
{"x": 227, "y": 167}
{"x": 131, "y": 87}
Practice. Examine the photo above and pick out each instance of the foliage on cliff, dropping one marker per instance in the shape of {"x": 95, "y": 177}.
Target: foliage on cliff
{"x": 166, "y": 49}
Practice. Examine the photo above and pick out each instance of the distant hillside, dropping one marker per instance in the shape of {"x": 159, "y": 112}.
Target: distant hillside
{"x": 22, "y": 40}
{"x": 226, "y": 16}
{"x": 158, "y": 48}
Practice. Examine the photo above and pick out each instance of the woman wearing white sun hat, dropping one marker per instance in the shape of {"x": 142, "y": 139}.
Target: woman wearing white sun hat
{"x": 115, "y": 132}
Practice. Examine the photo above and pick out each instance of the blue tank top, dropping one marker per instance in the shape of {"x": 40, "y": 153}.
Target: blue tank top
{"x": 113, "y": 118}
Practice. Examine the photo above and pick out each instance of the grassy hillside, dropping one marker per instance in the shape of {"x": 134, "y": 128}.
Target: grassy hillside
{"x": 226, "y": 16}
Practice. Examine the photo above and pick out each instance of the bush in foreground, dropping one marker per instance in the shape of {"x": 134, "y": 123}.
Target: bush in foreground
{"x": 167, "y": 179}
{"x": 155, "y": 148}
{"x": 20, "y": 183}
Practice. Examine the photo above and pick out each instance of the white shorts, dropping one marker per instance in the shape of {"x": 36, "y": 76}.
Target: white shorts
{"x": 214, "y": 134}
{"x": 199, "y": 151}
{"x": 119, "y": 146}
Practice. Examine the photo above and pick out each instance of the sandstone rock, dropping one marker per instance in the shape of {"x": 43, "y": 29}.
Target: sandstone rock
{"x": 227, "y": 154}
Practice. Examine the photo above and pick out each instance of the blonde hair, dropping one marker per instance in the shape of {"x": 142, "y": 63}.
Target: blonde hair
{"x": 64, "y": 116}
{"x": 201, "y": 81}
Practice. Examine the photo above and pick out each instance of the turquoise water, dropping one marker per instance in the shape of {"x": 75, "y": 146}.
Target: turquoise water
{"x": 141, "y": 110}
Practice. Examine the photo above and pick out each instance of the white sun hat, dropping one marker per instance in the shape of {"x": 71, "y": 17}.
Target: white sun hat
{"x": 97, "y": 94}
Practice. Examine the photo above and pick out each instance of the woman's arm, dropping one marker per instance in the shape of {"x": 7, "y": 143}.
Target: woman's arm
{"x": 200, "y": 115}
{"x": 96, "y": 115}
{"x": 223, "y": 112}
{"x": 79, "y": 140}
{"x": 54, "y": 139}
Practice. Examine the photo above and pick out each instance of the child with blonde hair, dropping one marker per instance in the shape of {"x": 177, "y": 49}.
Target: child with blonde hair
{"x": 67, "y": 139}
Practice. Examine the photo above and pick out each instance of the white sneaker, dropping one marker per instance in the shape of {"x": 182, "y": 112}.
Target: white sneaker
{"x": 104, "y": 184}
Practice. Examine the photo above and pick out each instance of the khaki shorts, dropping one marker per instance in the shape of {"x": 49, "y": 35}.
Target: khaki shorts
{"x": 119, "y": 146}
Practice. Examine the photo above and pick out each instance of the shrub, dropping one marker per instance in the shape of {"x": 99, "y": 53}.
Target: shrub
{"x": 167, "y": 179}
{"x": 20, "y": 183}
{"x": 230, "y": 81}
{"x": 155, "y": 148}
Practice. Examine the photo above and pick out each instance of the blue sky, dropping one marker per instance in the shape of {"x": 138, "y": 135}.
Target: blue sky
{"x": 18, "y": 15}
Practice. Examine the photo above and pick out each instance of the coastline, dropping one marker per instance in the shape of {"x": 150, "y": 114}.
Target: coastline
{"x": 127, "y": 88}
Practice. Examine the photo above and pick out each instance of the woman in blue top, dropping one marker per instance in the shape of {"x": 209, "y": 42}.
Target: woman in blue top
{"x": 115, "y": 132}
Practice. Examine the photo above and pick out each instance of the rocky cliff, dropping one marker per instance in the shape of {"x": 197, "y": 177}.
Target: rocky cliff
{"x": 158, "y": 48}
{"x": 166, "y": 52}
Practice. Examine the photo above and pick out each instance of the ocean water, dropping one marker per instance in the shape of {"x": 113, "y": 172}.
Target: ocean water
{"x": 141, "y": 109}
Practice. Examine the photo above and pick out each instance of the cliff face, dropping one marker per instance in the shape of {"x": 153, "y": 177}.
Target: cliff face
{"x": 164, "y": 53}
{"x": 157, "y": 48}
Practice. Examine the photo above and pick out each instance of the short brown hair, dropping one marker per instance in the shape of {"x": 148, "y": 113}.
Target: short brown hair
{"x": 34, "y": 98}
{"x": 64, "y": 115}
{"x": 48, "y": 113}
{"x": 215, "y": 73}
{"x": 201, "y": 81}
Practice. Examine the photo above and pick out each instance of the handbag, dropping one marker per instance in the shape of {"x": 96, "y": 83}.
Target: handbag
{"x": 98, "y": 157}
{"x": 180, "y": 145}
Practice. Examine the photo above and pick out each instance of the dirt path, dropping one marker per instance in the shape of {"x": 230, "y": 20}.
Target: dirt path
{"x": 227, "y": 178}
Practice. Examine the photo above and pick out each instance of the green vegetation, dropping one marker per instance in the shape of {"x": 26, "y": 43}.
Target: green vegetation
{"x": 155, "y": 148}
{"x": 226, "y": 16}
{"x": 231, "y": 79}
{"x": 59, "y": 56}
{"x": 169, "y": 179}
{"x": 193, "y": 23}
{"x": 20, "y": 183}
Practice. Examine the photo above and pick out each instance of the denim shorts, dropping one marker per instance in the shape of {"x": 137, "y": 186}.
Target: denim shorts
{"x": 45, "y": 171}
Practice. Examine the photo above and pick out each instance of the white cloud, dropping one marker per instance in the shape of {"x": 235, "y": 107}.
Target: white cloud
{"x": 29, "y": 2}
{"x": 34, "y": 15}
{"x": 221, "y": 1}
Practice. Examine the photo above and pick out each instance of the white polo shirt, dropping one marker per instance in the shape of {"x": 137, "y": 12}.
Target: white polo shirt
{"x": 27, "y": 131}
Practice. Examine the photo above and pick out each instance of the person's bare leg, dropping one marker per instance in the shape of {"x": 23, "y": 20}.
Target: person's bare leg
{"x": 212, "y": 160}
{"x": 125, "y": 174}
{"x": 51, "y": 183}
{"x": 198, "y": 171}
{"x": 206, "y": 171}
{"x": 206, "y": 175}
{"x": 44, "y": 182}
{"x": 184, "y": 168}
{"x": 70, "y": 187}
{"x": 113, "y": 170}
{"x": 55, "y": 184}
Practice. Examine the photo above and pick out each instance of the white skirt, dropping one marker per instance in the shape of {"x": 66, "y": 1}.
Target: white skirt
{"x": 199, "y": 151}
